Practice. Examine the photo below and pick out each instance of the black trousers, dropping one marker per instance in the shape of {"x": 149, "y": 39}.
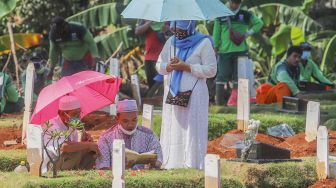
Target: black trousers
{"x": 150, "y": 72}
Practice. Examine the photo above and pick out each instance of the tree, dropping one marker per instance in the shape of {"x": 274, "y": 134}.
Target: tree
{"x": 55, "y": 140}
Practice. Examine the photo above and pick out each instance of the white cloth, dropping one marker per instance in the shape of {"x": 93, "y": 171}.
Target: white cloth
{"x": 184, "y": 131}
{"x": 57, "y": 125}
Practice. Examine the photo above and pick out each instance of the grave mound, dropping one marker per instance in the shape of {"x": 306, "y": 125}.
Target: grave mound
{"x": 299, "y": 147}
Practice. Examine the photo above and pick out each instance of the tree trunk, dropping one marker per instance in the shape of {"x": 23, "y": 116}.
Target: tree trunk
{"x": 11, "y": 36}
{"x": 54, "y": 170}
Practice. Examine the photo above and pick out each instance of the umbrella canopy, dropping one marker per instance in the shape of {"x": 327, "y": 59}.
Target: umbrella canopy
{"x": 169, "y": 10}
{"x": 94, "y": 91}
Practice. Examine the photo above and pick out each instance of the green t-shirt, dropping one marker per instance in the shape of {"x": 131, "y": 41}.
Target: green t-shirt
{"x": 79, "y": 42}
{"x": 243, "y": 22}
{"x": 310, "y": 71}
{"x": 10, "y": 92}
{"x": 283, "y": 73}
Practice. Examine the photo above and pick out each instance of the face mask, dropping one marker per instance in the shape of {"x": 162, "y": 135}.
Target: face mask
{"x": 128, "y": 132}
{"x": 181, "y": 35}
{"x": 70, "y": 119}
{"x": 305, "y": 55}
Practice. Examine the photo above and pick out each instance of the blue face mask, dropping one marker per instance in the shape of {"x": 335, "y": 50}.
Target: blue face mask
{"x": 305, "y": 55}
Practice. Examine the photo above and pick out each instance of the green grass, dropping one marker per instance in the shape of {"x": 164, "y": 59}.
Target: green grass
{"x": 182, "y": 178}
{"x": 286, "y": 175}
{"x": 221, "y": 123}
{"x": 9, "y": 159}
{"x": 233, "y": 174}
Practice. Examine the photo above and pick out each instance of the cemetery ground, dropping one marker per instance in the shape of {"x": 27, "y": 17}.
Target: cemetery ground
{"x": 222, "y": 130}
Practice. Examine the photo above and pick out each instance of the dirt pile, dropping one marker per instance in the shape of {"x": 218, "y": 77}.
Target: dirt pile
{"x": 299, "y": 147}
{"x": 225, "y": 146}
{"x": 10, "y": 134}
{"x": 329, "y": 183}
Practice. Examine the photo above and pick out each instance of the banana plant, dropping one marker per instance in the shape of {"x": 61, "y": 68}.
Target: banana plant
{"x": 22, "y": 40}
{"x": 99, "y": 16}
{"x": 7, "y": 6}
{"x": 105, "y": 16}
{"x": 329, "y": 56}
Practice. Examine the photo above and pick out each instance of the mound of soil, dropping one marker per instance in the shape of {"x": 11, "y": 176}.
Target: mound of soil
{"x": 98, "y": 121}
{"x": 299, "y": 147}
{"x": 329, "y": 183}
{"x": 10, "y": 134}
{"x": 225, "y": 147}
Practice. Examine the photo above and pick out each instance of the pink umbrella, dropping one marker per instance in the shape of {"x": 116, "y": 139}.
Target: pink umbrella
{"x": 93, "y": 89}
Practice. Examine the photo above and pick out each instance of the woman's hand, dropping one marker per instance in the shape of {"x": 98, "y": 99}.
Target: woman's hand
{"x": 181, "y": 66}
{"x": 169, "y": 68}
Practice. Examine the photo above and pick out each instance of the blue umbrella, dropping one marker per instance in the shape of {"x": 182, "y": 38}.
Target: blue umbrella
{"x": 169, "y": 10}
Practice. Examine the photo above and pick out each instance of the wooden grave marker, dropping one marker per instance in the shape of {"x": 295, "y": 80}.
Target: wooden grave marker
{"x": 322, "y": 166}
{"x": 245, "y": 70}
{"x": 136, "y": 89}
{"x": 118, "y": 163}
{"x": 35, "y": 148}
{"x": 243, "y": 104}
{"x": 312, "y": 120}
{"x": 114, "y": 71}
{"x": 147, "y": 116}
{"x": 28, "y": 99}
{"x": 212, "y": 171}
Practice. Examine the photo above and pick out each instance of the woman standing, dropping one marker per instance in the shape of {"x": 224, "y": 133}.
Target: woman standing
{"x": 184, "y": 131}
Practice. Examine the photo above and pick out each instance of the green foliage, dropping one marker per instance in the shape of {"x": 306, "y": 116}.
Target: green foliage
{"x": 287, "y": 174}
{"x": 108, "y": 43}
{"x": 222, "y": 123}
{"x": 330, "y": 124}
{"x": 99, "y": 16}
{"x": 329, "y": 56}
{"x": 9, "y": 159}
{"x": 282, "y": 175}
{"x": 234, "y": 174}
{"x": 281, "y": 39}
{"x": 76, "y": 123}
{"x": 37, "y": 14}
{"x": 7, "y": 6}
{"x": 256, "y": 3}
{"x": 157, "y": 179}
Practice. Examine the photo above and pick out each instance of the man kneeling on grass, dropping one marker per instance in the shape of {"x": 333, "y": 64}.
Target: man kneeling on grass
{"x": 75, "y": 153}
{"x": 136, "y": 138}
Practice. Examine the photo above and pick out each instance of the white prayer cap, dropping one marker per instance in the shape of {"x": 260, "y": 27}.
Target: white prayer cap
{"x": 127, "y": 106}
{"x": 68, "y": 103}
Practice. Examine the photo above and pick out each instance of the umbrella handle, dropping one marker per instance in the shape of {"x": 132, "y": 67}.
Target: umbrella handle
{"x": 175, "y": 39}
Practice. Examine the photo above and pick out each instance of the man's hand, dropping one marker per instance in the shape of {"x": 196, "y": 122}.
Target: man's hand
{"x": 87, "y": 137}
{"x": 299, "y": 95}
{"x": 94, "y": 147}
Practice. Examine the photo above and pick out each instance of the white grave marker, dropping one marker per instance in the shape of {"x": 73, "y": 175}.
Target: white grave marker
{"x": 34, "y": 148}
{"x": 245, "y": 70}
{"x": 322, "y": 153}
{"x": 114, "y": 71}
{"x": 136, "y": 89}
{"x": 212, "y": 171}
{"x": 118, "y": 164}
{"x": 28, "y": 99}
{"x": 312, "y": 120}
{"x": 147, "y": 116}
{"x": 243, "y": 104}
